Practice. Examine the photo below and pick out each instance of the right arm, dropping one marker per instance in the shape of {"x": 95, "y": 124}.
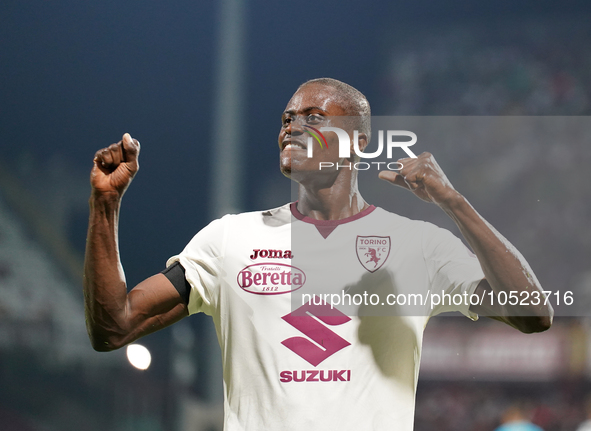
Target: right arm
{"x": 115, "y": 317}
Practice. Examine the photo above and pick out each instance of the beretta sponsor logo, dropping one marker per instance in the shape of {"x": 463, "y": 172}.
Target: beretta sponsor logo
{"x": 271, "y": 278}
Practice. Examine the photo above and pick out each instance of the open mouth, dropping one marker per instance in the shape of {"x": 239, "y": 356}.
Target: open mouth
{"x": 289, "y": 144}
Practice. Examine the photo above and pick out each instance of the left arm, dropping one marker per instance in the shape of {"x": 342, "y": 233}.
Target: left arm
{"x": 504, "y": 267}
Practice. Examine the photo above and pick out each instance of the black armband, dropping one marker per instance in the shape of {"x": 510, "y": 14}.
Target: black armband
{"x": 176, "y": 275}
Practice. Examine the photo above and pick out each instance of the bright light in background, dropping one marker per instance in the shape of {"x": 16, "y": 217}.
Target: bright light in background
{"x": 139, "y": 356}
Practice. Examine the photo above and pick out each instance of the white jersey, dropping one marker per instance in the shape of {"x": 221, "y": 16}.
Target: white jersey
{"x": 291, "y": 365}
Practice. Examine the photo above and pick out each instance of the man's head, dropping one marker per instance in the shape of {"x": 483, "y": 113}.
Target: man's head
{"x": 323, "y": 102}
{"x": 351, "y": 99}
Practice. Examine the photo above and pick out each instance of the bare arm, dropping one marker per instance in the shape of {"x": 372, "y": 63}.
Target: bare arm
{"x": 113, "y": 316}
{"x": 504, "y": 267}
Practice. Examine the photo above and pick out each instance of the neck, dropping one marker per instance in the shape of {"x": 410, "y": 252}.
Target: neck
{"x": 341, "y": 200}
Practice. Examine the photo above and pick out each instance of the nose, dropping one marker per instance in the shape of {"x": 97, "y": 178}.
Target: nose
{"x": 294, "y": 129}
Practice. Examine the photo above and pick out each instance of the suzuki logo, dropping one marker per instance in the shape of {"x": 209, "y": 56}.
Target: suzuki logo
{"x": 306, "y": 320}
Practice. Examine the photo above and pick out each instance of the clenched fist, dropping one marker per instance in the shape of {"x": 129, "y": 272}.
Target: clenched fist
{"x": 423, "y": 177}
{"x": 115, "y": 166}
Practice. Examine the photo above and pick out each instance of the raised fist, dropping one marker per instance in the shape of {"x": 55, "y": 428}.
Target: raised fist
{"x": 115, "y": 166}
{"x": 422, "y": 176}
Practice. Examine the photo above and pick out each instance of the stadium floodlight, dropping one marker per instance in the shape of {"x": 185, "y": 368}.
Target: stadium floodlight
{"x": 139, "y": 356}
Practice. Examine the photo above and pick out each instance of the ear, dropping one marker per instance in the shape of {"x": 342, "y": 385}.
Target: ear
{"x": 362, "y": 140}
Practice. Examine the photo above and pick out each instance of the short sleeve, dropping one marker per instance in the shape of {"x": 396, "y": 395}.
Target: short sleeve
{"x": 454, "y": 271}
{"x": 202, "y": 260}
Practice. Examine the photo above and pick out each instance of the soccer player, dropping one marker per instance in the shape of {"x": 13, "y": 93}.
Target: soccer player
{"x": 311, "y": 366}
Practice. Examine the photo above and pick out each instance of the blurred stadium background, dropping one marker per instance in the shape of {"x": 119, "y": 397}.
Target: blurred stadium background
{"x": 77, "y": 75}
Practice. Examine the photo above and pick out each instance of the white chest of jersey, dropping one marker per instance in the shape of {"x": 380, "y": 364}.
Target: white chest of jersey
{"x": 291, "y": 362}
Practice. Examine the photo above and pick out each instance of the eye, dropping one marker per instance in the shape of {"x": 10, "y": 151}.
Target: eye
{"x": 285, "y": 121}
{"x": 314, "y": 119}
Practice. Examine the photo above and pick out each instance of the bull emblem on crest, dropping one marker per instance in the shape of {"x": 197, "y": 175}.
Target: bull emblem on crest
{"x": 373, "y": 251}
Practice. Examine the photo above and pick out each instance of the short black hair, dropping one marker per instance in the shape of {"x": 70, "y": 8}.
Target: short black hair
{"x": 357, "y": 104}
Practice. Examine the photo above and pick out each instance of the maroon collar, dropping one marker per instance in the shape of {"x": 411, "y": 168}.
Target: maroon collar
{"x": 325, "y": 227}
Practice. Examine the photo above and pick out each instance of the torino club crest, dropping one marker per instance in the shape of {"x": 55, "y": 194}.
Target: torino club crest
{"x": 372, "y": 251}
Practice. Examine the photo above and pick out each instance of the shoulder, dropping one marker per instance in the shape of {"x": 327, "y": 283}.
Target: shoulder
{"x": 213, "y": 240}
{"x": 235, "y": 225}
{"x": 431, "y": 237}
{"x": 393, "y": 219}
{"x": 282, "y": 213}
{"x": 271, "y": 217}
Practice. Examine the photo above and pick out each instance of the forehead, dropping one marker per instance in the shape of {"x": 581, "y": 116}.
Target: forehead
{"x": 317, "y": 96}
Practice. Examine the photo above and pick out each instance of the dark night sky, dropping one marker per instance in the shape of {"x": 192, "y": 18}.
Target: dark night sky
{"x": 76, "y": 75}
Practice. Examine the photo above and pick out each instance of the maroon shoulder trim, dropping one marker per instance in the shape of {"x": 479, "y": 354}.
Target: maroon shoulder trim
{"x": 325, "y": 227}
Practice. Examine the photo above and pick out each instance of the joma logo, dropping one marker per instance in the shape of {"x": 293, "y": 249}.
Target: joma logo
{"x": 271, "y": 254}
